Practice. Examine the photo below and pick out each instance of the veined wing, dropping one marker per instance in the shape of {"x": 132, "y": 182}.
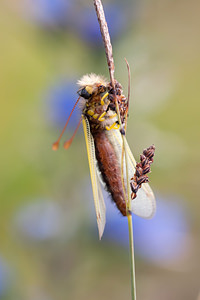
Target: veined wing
{"x": 144, "y": 205}
{"x": 96, "y": 187}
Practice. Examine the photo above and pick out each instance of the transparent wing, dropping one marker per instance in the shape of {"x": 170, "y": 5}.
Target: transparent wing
{"x": 96, "y": 187}
{"x": 144, "y": 205}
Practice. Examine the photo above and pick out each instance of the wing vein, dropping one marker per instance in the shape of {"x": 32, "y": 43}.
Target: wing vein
{"x": 96, "y": 187}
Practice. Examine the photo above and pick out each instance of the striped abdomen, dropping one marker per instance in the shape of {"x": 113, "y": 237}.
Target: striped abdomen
{"x": 110, "y": 169}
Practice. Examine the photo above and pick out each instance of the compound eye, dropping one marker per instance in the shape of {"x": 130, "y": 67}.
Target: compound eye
{"x": 84, "y": 93}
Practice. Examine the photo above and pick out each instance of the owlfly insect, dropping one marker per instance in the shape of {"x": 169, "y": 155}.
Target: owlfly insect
{"x": 104, "y": 117}
{"x": 104, "y": 143}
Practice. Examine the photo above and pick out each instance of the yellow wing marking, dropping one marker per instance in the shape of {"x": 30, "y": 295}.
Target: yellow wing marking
{"x": 96, "y": 188}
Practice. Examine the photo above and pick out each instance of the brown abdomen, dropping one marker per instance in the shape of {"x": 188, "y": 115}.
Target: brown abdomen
{"x": 110, "y": 169}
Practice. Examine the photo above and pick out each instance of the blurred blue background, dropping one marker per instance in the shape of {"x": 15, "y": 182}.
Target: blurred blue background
{"x": 49, "y": 246}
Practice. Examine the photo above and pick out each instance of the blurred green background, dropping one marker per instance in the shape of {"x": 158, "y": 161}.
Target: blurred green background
{"x": 49, "y": 246}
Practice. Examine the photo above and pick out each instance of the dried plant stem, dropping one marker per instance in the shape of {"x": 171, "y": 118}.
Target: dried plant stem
{"x": 109, "y": 55}
{"x": 106, "y": 39}
{"x": 132, "y": 258}
{"x": 128, "y": 203}
{"x": 127, "y": 195}
{"x": 130, "y": 225}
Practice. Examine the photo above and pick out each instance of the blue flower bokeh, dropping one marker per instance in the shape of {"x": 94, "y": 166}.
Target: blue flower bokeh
{"x": 80, "y": 18}
{"x": 87, "y": 27}
{"x": 49, "y": 13}
{"x": 59, "y": 101}
{"x": 39, "y": 220}
{"x": 161, "y": 239}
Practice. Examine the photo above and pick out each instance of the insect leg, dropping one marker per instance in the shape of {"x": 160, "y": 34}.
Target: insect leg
{"x": 104, "y": 96}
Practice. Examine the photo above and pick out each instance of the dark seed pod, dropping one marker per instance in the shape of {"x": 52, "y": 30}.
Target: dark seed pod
{"x": 139, "y": 172}
{"x": 144, "y": 160}
{"x": 142, "y": 179}
{"x": 149, "y": 152}
{"x": 133, "y": 196}
{"x": 146, "y": 169}
{"x": 142, "y": 169}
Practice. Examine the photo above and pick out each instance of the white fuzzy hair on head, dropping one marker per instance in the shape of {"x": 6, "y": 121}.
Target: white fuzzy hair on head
{"x": 91, "y": 79}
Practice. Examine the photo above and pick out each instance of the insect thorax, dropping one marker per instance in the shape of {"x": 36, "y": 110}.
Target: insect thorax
{"x": 98, "y": 104}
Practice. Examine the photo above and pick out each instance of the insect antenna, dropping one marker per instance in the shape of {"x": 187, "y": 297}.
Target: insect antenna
{"x": 68, "y": 142}
{"x": 55, "y": 145}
